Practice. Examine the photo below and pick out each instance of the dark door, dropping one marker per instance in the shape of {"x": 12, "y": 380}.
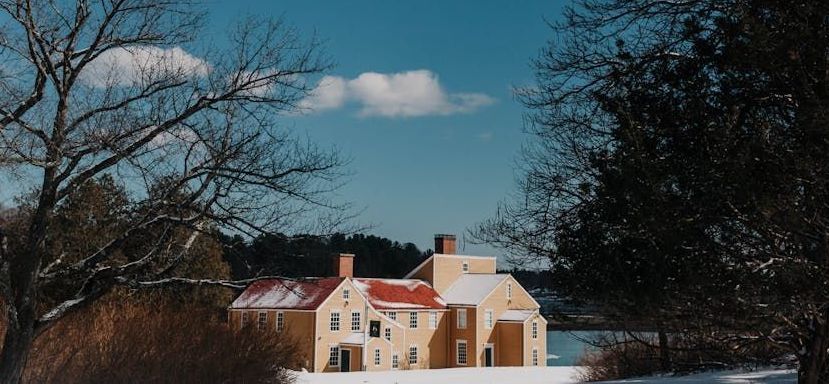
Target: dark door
{"x": 488, "y": 360}
{"x": 345, "y": 360}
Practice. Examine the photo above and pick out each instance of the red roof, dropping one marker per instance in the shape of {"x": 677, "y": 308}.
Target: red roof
{"x": 286, "y": 293}
{"x": 399, "y": 294}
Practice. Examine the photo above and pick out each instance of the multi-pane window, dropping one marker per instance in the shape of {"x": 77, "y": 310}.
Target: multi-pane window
{"x": 244, "y": 321}
{"x": 263, "y": 320}
{"x": 465, "y": 266}
{"x": 393, "y": 316}
{"x": 280, "y": 321}
{"x": 461, "y": 352}
{"x": 412, "y": 319}
{"x": 413, "y": 355}
{"x": 376, "y": 356}
{"x": 535, "y": 356}
{"x": 461, "y": 318}
{"x": 535, "y": 330}
{"x": 509, "y": 290}
{"x": 388, "y": 334}
{"x": 355, "y": 321}
{"x": 334, "y": 356}
{"x": 433, "y": 320}
{"x": 346, "y": 294}
{"x": 334, "y": 323}
{"x": 488, "y": 319}
{"x": 395, "y": 361}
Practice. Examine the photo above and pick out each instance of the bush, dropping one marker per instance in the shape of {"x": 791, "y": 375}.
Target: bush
{"x": 162, "y": 343}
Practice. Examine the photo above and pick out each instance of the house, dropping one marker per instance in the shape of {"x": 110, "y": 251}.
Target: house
{"x": 450, "y": 311}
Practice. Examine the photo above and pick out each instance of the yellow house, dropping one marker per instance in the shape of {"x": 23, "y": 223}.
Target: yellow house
{"x": 450, "y": 311}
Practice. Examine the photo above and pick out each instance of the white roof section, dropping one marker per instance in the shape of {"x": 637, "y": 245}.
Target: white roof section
{"x": 519, "y": 315}
{"x": 355, "y": 338}
{"x": 472, "y": 288}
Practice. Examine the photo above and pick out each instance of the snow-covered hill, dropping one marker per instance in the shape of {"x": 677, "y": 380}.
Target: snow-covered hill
{"x": 533, "y": 375}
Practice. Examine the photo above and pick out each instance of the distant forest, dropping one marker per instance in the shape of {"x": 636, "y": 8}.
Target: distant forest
{"x": 306, "y": 256}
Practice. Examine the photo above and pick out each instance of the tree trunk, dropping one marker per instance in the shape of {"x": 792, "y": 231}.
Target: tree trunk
{"x": 813, "y": 361}
{"x": 16, "y": 345}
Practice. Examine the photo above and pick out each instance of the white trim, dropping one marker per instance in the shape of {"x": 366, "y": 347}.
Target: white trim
{"x": 339, "y": 320}
{"x": 458, "y": 318}
{"x": 395, "y": 354}
{"x": 458, "y": 342}
{"x": 270, "y": 309}
{"x": 259, "y": 323}
{"x": 322, "y": 304}
{"x": 491, "y": 314}
{"x": 378, "y": 357}
{"x": 277, "y": 316}
{"x": 509, "y": 277}
{"x": 419, "y": 267}
{"x": 339, "y": 355}
{"x": 433, "y": 314}
{"x": 492, "y": 347}
{"x": 409, "y": 355}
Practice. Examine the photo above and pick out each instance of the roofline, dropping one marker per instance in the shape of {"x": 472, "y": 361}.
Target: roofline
{"x": 376, "y": 311}
{"x": 510, "y": 277}
{"x": 270, "y": 309}
{"x": 419, "y": 267}
{"x": 330, "y": 294}
{"x": 488, "y": 294}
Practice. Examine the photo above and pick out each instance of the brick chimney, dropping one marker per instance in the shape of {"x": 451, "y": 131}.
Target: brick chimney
{"x": 344, "y": 265}
{"x": 445, "y": 244}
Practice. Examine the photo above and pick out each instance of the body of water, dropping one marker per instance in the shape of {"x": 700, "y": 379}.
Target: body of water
{"x": 565, "y": 347}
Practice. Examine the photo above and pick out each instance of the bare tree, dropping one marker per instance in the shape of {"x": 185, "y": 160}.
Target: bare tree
{"x": 111, "y": 86}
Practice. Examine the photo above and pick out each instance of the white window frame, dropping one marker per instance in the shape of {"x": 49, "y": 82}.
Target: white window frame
{"x": 346, "y": 293}
{"x": 395, "y": 361}
{"x": 262, "y": 320}
{"x": 334, "y": 355}
{"x": 535, "y": 330}
{"x": 461, "y": 314}
{"x": 392, "y": 315}
{"x": 465, "y": 266}
{"x": 244, "y": 320}
{"x": 280, "y": 321}
{"x": 377, "y": 359}
{"x": 534, "y": 361}
{"x": 387, "y": 333}
{"x": 356, "y": 321}
{"x": 332, "y": 323}
{"x": 458, "y": 360}
{"x": 412, "y": 355}
{"x": 433, "y": 320}
{"x": 509, "y": 291}
{"x": 489, "y": 318}
{"x": 413, "y": 319}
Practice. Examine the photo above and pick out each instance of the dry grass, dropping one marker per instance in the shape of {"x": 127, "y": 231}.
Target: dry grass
{"x": 156, "y": 343}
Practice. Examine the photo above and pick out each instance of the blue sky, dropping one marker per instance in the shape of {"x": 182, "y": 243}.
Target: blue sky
{"x": 442, "y": 167}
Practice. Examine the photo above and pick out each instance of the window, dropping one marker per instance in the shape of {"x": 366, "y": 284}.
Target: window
{"x": 433, "y": 320}
{"x": 488, "y": 319}
{"x": 263, "y": 320}
{"x": 346, "y": 294}
{"x": 535, "y": 357}
{"x": 280, "y": 321}
{"x": 334, "y": 356}
{"x": 393, "y": 316}
{"x": 334, "y": 324}
{"x": 509, "y": 291}
{"x": 244, "y": 321}
{"x": 461, "y": 352}
{"x": 376, "y": 356}
{"x": 395, "y": 361}
{"x": 388, "y": 334}
{"x": 461, "y": 318}
{"x": 412, "y": 319}
{"x": 413, "y": 355}
{"x": 465, "y": 266}
{"x": 535, "y": 330}
{"x": 355, "y": 321}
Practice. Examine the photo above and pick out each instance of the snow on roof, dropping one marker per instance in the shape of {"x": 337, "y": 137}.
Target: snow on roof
{"x": 516, "y": 315}
{"x": 355, "y": 338}
{"x": 399, "y": 294}
{"x": 286, "y": 294}
{"x": 472, "y": 288}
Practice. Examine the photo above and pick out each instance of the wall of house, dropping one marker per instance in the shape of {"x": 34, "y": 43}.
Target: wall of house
{"x": 498, "y": 302}
{"x": 510, "y": 344}
{"x": 325, "y": 338}
{"x": 447, "y": 269}
{"x": 540, "y": 343}
{"x": 298, "y": 325}
{"x": 467, "y": 334}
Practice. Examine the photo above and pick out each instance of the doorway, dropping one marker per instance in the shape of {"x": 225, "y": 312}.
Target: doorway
{"x": 489, "y": 355}
{"x": 345, "y": 360}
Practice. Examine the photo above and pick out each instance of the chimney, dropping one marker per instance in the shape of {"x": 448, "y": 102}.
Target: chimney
{"x": 344, "y": 265}
{"x": 445, "y": 244}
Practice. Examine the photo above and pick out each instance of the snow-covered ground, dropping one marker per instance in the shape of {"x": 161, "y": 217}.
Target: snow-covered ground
{"x": 534, "y": 375}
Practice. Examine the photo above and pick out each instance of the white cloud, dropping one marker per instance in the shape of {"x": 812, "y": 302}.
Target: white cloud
{"x": 403, "y": 94}
{"x": 134, "y": 65}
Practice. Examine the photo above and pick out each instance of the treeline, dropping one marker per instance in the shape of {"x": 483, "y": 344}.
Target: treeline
{"x": 306, "y": 255}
